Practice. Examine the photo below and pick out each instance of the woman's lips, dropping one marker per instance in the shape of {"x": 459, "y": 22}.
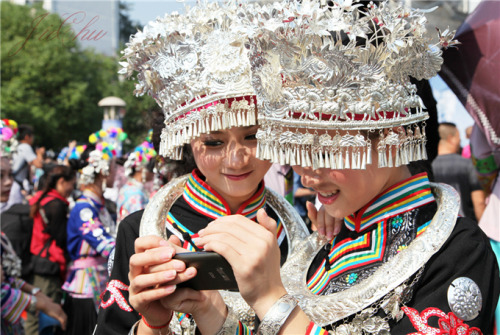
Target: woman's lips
{"x": 327, "y": 199}
{"x": 237, "y": 176}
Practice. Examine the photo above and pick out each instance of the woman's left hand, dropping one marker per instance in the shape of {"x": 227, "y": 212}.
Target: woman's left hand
{"x": 253, "y": 252}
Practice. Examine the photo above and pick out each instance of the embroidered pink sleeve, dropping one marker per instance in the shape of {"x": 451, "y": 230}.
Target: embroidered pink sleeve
{"x": 312, "y": 329}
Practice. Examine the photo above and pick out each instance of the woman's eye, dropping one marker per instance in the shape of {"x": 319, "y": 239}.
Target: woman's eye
{"x": 212, "y": 143}
{"x": 250, "y": 137}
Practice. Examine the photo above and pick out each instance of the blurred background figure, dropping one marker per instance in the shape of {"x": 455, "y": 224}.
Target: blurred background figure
{"x": 301, "y": 195}
{"x": 139, "y": 166}
{"x": 49, "y": 210}
{"x": 90, "y": 239}
{"x": 17, "y": 295}
{"x": 451, "y": 168}
{"x": 23, "y": 158}
{"x": 279, "y": 178}
{"x": 466, "y": 150}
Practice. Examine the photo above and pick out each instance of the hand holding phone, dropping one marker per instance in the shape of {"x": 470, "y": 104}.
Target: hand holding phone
{"x": 213, "y": 271}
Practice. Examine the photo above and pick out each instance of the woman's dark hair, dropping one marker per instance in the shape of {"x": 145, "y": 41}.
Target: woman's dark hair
{"x": 80, "y": 163}
{"x": 176, "y": 168}
{"x": 53, "y": 176}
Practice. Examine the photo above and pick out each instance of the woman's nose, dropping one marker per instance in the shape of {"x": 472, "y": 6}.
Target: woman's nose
{"x": 237, "y": 155}
{"x": 310, "y": 177}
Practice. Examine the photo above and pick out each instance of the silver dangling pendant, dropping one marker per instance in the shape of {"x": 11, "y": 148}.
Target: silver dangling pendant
{"x": 275, "y": 154}
{"x": 238, "y": 119}
{"x": 257, "y": 151}
{"x": 292, "y": 159}
{"x": 347, "y": 159}
{"x": 321, "y": 159}
{"x": 363, "y": 162}
{"x": 224, "y": 121}
{"x": 308, "y": 159}
{"x": 282, "y": 156}
{"x": 267, "y": 154}
{"x": 340, "y": 161}
{"x": 358, "y": 159}
{"x": 327, "y": 159}
{"x": 315, "y": 160}
{"x": 207, "y": 121}
{"x": 219, "y": 122}
{"x": 424, "y": 151}
{"x": 333, "y": 160}
{"x": 368, "y": 154}
{"x": 202, "y": 127}
{"x": 398, "y": 158}
{"x": 410, "y": 156}
{"x": 389, "y": 153}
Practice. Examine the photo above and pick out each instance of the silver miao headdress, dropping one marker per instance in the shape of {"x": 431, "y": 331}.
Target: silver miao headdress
{"x": 340, "y": 67}
{"x": 196, "y": 68}
{"x": 97, "y": 164}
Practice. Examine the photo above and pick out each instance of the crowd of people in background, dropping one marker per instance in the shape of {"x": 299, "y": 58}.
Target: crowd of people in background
{"x": 47, "y": 205}
{"x": 61, "y": 210}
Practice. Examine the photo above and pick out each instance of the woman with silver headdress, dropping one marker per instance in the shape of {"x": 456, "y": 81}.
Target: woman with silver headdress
{"x": 336, "y": 102}
{"x": 132, "y": 196}
{"x": 195, "y": 66}
{"x": 90, "y": 236}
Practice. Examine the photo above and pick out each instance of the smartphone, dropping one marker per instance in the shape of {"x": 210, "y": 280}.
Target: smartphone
{"x": 213, "y": 271}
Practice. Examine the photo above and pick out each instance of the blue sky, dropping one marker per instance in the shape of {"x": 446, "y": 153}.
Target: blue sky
{"x": 144, "y": 11}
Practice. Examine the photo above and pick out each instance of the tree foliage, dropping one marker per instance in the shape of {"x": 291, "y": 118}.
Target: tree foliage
{"x": 48, "y": 81}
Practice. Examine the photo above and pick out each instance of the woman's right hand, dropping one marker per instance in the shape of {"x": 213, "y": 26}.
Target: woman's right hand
{"x": 322, "y": 222}
{"x": 52, "y": 309}
{"x": 153, "y": 275}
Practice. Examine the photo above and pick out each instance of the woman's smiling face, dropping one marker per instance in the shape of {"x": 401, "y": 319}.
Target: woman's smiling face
{"x": 227, "y": 160}
{"x": 343, "y": 192}
{"x": 7, "y": 179}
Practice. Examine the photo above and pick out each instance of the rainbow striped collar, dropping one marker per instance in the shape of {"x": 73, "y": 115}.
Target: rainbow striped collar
{"x": 204, "y": 199}
{"x": 402, "y": 197}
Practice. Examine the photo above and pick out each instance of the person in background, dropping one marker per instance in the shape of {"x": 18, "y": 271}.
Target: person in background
{"x": 301, "y": 196}
{"x": 49, "y": 210}
{"x": 486, "y": 159}
{"x": 279, "y": 178}
{"x": 90, "y": 240}
{"x": 466, "y": 151}
{"x": 17, "y": 295}
{"x": 451, "y": 168}
{"x": 139, "y": 165}
{"x": 23, "y": 159}
{"x": 6, "y": 183}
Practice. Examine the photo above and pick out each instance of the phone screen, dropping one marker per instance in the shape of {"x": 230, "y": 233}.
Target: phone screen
{"x": 213, "y": 271}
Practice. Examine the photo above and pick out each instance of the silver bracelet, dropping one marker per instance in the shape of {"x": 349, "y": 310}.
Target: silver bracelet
{"x": 277, "y": 315}
{"x": 230, "y": 324}
{"x": 32, "y": 305}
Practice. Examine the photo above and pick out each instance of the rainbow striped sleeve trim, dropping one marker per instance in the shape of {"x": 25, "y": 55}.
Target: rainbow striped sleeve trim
{"x": 14, "y": 302}
{"x": 312, "y": 329}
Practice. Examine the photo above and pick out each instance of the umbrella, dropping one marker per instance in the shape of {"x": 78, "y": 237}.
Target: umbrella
{"x": 472, "y": 70}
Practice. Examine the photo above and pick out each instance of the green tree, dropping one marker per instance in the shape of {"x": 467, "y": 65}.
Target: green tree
{"x": 48, "y": 81}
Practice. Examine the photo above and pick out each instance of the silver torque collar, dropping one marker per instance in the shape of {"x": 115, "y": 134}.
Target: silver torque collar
{"x": 155, "y": 217}
{"x": 325, "y": 310}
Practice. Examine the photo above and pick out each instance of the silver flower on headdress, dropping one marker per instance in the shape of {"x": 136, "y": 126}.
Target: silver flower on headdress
{"x": 196, "y": 68}
{"x": 97, "y": 164}
{"x": 340, "y": 67}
